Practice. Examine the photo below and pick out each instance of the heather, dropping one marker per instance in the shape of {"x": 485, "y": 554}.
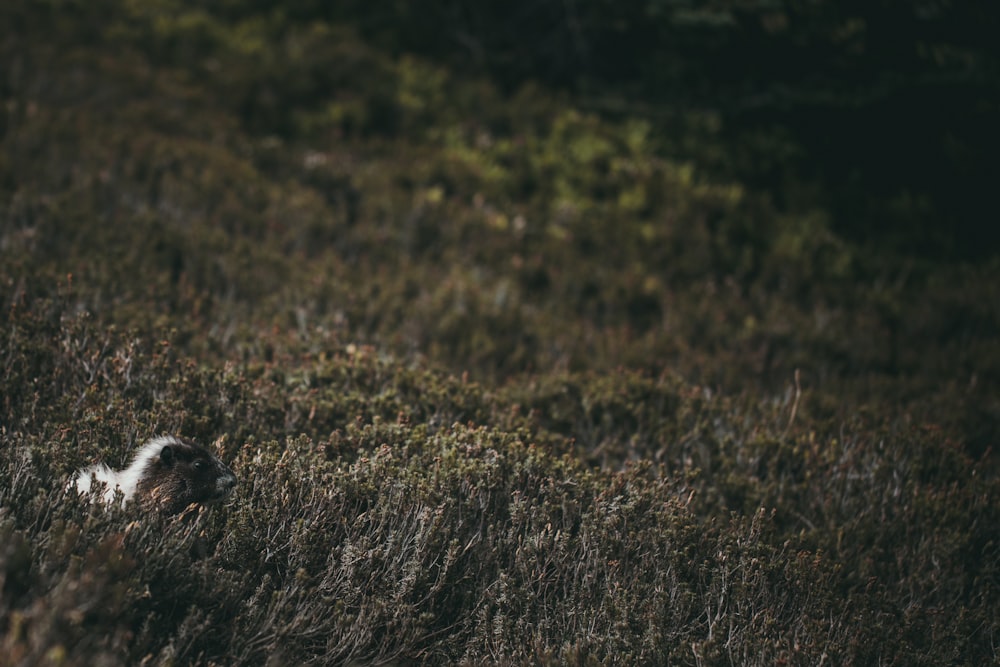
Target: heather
{"x": 516, "y": 361}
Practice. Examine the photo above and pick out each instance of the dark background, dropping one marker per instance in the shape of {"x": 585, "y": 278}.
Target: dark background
{"x": 889, "y": 109}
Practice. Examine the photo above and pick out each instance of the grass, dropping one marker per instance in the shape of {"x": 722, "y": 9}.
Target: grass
{"x": 502, "y": 381}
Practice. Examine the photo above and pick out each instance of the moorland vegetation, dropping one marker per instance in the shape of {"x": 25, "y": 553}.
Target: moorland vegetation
{"x": 517, "y": 362}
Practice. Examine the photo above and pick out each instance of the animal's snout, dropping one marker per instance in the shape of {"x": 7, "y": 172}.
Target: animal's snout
{"x": 225, "y": 483}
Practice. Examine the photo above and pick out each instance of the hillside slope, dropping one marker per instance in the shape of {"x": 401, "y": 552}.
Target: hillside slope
{"x": 503, "y": 380}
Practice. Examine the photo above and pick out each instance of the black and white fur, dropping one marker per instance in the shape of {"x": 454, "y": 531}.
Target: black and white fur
{"x": 167, "y": 473}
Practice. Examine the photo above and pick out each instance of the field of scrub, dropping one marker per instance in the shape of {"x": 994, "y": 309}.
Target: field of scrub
{"x": 505, "y": 377}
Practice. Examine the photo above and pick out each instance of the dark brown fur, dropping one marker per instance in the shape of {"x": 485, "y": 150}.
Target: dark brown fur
{"x": 182, "y": 473}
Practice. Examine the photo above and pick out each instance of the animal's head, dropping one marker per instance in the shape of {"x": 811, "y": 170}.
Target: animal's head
{"x": 179, "y": 472}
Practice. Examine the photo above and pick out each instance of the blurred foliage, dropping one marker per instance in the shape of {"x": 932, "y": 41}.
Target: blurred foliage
{"x": 493, "y": 363}
{"x": 881, "y": 110}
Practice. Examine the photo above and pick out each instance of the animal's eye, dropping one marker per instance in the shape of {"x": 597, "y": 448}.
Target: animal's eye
{"x": 200, "y": 465}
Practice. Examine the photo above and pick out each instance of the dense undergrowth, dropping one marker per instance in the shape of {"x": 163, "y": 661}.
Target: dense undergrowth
{"x": 503, "y": 381}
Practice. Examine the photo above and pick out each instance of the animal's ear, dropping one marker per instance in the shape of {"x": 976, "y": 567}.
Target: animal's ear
{"x": 167, "y": 455}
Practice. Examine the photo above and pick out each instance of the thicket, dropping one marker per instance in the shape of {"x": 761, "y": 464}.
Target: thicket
{"x": 503, "y": 379}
